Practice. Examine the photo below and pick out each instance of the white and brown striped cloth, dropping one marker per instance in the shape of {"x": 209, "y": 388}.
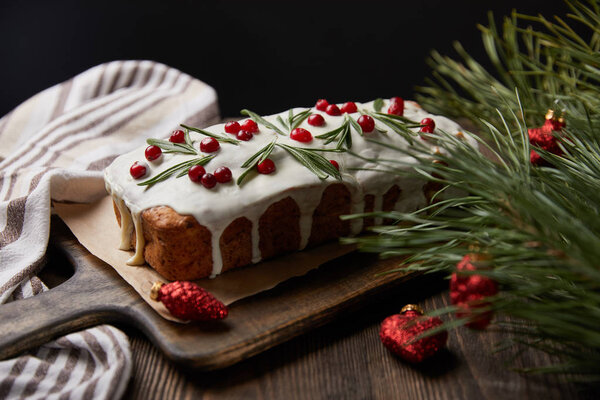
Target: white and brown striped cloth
{"x": 55, "y": 146}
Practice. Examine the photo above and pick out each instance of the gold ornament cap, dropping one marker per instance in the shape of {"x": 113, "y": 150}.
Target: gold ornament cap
{"x": 412, "y": 307}
{"x": 550, "y": 114}
{"x": 155, "y": 289}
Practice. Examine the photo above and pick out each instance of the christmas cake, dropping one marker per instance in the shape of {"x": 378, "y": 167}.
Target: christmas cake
{"x": 209, "y": 200}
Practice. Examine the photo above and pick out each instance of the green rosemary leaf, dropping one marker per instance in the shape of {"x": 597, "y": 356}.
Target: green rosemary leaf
{"x": 260, "y": 120}
{"x": 378, "y": 104}
{"x": 282, "y": 122}
{"x": 299, "y": 118}
{"x": 220, "y": 138}
{"x": 256, "y": 159}
{"x": 187, "y": 138}
{"x": 356, "y": 126}
{"x": 169, "y": 147}
{"x": 313, "y": 161}
{"x": 177, "y": 168}
{"x": 342, "y": 134}
{"x": 290, "y": 119}
{"x": 408, "y": 122}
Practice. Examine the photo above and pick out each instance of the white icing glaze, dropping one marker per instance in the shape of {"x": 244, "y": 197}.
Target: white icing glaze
{"x": 216, "y": 208}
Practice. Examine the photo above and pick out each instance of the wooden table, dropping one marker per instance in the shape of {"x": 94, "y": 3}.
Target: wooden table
{"x": 345, "y": 360}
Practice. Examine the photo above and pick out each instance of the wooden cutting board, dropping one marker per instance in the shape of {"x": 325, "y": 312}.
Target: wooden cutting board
{"x": 95, "y": 294}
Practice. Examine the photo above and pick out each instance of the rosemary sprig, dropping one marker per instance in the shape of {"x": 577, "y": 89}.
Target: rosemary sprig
{"x": 315, "y": 162}
{"x": 180, "y": 168}
{"x": 169, "y": 147}
{"x": 342, "y": 134}
{"x": 397, "y": 123}
{"x": 255, "y": 159}
{"x": 260, "y": 120}
{"x": 220, "y": 138}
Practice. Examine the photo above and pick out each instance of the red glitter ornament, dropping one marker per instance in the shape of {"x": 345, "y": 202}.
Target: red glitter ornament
{"x": 468, "y": 292}
{"x": 188, "y": 301}
{"x": 542, "y": 137}
{"x": 398, "y": 332}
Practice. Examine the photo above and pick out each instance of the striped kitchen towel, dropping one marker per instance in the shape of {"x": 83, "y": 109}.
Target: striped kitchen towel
{"x": 55, "y": 146}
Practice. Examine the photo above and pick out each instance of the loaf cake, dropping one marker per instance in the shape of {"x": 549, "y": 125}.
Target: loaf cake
{"x": 310, "y": 166}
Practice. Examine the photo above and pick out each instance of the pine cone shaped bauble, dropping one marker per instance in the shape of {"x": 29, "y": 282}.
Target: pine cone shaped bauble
{"x": 398, "y": 332}
{"x": 467, "y": 291}
{"x": 188, "y": 301}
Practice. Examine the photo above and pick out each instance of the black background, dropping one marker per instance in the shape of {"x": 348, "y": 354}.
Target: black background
{"x": 264, "y": 55}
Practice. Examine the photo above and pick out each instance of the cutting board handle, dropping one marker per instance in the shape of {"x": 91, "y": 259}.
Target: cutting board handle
{"x": 80, "y": 302}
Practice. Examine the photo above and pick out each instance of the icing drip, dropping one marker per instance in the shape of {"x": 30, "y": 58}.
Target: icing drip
{"x": 126, "y": 224}
{"x": 138, "y": 257}
{"x": 216, "y": 208}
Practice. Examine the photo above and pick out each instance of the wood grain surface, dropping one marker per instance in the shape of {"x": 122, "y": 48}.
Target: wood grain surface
{"x": 345, "y": 360}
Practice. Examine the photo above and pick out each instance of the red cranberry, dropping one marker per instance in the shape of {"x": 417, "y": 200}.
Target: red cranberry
{"x": 321, "y": 104}
{"x": 349, "y": 107}
{"x": 208, "y": 181}
{"x": 366, "y": 123}
{"x": 209, "y": 145}
{"x": 232, "y": 127}
{"x": 266, "y": 167}
{"x": 244, "y": 135}
{"x": 301, "y": 135}
{"x": 316, "y": 120}
{"x": 396, "y": 108}
{"x": 152, "y": 153}
{"x": 335, "y": 164}
{"x": 196, "y": 172}
{"x": 332, "y": 109}
{"x": 397, "y": 99}
{"x": 177, "y": 136}
{"x": 428, "y": 125}
{"x": 250, "y": 126}
{"x": 223, "y": 174}
{"x": 137, "y": 170}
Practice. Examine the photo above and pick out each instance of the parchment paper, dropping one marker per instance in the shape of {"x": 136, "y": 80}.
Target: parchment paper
{"x": 95, "y": 226}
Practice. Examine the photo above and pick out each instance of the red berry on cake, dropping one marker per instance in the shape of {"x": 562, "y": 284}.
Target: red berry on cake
{"x": 335, "y": 164}
{"x": 321, "y": 104}
{"x": 209, "y": 145}
{"x": 232, "y": 127}
{"x": 428, "y": 125}
{"x": 152, "y": 153}
{"x": 223, "y": 174}
{"x": 396, "y": 108}
{"x": 398, "y": 100}
{"x": 196, "y": 172}
{"x": 349, "y": 107}
{"x": 137, "y": 170}
{"x": 208, "y": 181}
{"x": 244, "y": 135}
{"x": 316, "y": 120}
{"x": 301, "y": 135}
{"x": 177, "y": 136}
{"x": 332, "y": 109}
{"x": 250, "y": 126}
{"x": 366, "y": 123}
{"x": 266, "y": 167}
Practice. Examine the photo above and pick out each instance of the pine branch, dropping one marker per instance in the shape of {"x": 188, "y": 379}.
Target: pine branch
{"x": 541, "y": 225}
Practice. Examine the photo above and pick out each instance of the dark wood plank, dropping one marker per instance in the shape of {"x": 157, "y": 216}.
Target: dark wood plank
{"x": 96, "y": 294}
{"x": 345, "y": 360}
